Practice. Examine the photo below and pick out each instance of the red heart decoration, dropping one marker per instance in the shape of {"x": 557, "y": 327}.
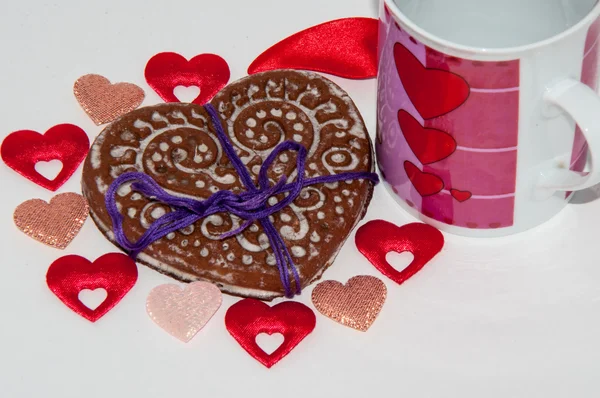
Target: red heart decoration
{"x": 377, "y": 238}
{"x": 461, "y": 196}
{"x": 428, "y": 145}
{"x": 247, "y": 318}
{"x": 433, "y": 92}
{"x": 21, "y": 151}
{"x": 426, "y": 184}
{"x": 114, "y": 272}
{"x": 208, "y": 72}
{"x": 344, "y": 47}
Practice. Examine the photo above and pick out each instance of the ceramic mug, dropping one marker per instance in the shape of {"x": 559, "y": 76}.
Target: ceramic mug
{"x": 487, "y": 109}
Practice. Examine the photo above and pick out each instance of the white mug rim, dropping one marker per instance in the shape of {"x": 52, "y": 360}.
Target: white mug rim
{"x": 482, "y": 53}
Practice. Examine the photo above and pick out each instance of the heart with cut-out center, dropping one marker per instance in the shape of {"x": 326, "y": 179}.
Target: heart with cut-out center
{"x": 377, "y": 238}
{"x": 248, "y": 318}
{"x": 166, "y": 71}
{"x": 92, "y": 298}
{"x": 428, "y": 145}
{"x": 103, "y": 101}
{"x": 56, "y": 223}
{"x": 183, "y": 312}
{"x": 433, "y": 92}
{"x": 355, "y": 304}
{"x": 22, "y": 149}
{"x": 69, "y": 275}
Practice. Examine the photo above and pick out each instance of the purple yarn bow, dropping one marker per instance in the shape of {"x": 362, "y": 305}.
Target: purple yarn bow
{"x": 251, "y": 205}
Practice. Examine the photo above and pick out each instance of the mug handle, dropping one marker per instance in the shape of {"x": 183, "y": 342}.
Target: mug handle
{"x": 583, "y": 105}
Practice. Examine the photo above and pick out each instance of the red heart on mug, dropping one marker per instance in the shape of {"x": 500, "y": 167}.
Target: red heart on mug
{"x": 377, "y": 238}
{"x": 166, "y": 71}
{"x": 461, "y": 196}
{"x": 69, "y": 275}
{"x": 426, "y": 184}
{"x": 68, "y": 143}
{"x": 247, "y": 318}
{"x": 428, "y": 145}
{"x": 433, "y": 92}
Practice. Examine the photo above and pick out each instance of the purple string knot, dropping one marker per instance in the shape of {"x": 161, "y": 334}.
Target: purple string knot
{"x": 251, "y": 205}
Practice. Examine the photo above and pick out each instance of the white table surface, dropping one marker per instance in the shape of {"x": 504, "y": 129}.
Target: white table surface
{"x": 510, "y": 317}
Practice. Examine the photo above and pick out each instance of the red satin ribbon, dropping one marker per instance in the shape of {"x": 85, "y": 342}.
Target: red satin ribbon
{"x": 344, "y": 47}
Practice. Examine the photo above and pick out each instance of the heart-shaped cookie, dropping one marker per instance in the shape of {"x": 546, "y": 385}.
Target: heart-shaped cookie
{"x": 183, "y": 312}
{"x": 69, "y": 275}
{"x": 428, "y": 145}
{"x": 377, "y": 238}
{"x": 433, "y": 92}
{"x": 103, "y": 101}
{"x": 56, "y": 223}
{"x": 22, "y": 149}
{"x": 177, "y": 146}
{"x": 426, "y": 184}
{"x": 355, "y": 304}
{"x": 247, "y": 318}
{"x": 166, "y": 71}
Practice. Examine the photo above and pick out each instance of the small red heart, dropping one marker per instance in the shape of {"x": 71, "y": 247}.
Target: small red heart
{"x": 428, "y": 145}
{"x": 22, "y": 149}
{"x": 247, "y": 318}
{"x": 165, "y": 71}
{"x": 114, "y": 272}
{"x": 461, "y": 196}
{"x": 426, "y": 184}
{"x": 433, "y": 92}
{"x": 377, "y": 238}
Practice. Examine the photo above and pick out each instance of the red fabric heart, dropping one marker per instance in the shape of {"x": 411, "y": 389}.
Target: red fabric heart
{"x": 461, "y": 196}
{"x": 21, "y": 151}
{"x": 344, "y": 47}
{"x": 377, "y": 238}
{"x": 426, "y": 184}
{"x": 114, "y": 272}
{"x": 247, "y": 318}
{"x": 433, "y": 92}
{"x": 208, "y": 72}
{"x": 428, "y": 145}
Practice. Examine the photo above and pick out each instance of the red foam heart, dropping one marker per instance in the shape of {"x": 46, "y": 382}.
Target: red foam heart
{"x": 426, "y": 184}
{"x": 165, "y": 71}
{"x": 247, "y": 318}
{"x": 344, "y": 47}
{"x": 114, "y": 272}
{"x": 377, "y": 238}
{"x": 22, "y": 149}
{"x": 428, "y": 145}
{"x": 433, "y": 92}
{"x": 461, "y": 196}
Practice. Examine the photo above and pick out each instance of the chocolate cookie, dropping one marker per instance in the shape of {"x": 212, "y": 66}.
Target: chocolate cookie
{"x": 177, "y": 146}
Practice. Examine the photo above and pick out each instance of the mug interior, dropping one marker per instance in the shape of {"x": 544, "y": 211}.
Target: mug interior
{"x": 495, "y": 24}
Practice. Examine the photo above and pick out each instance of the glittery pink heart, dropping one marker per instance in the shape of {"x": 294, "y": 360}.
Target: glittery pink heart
{"x": 56, "y": 223}
{"x": 182, "y": 313}
{"x": 355, "y": 304}
{"x": 105, "y": 102}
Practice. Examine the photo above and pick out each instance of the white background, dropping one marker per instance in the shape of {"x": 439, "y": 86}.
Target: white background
{"x": 510, "y": 317}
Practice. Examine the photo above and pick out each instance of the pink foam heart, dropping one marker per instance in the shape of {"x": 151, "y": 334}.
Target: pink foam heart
{"x": 183, "y": 313}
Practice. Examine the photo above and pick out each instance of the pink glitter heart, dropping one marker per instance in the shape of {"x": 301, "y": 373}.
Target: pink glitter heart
{"x": 182, "y": 313}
